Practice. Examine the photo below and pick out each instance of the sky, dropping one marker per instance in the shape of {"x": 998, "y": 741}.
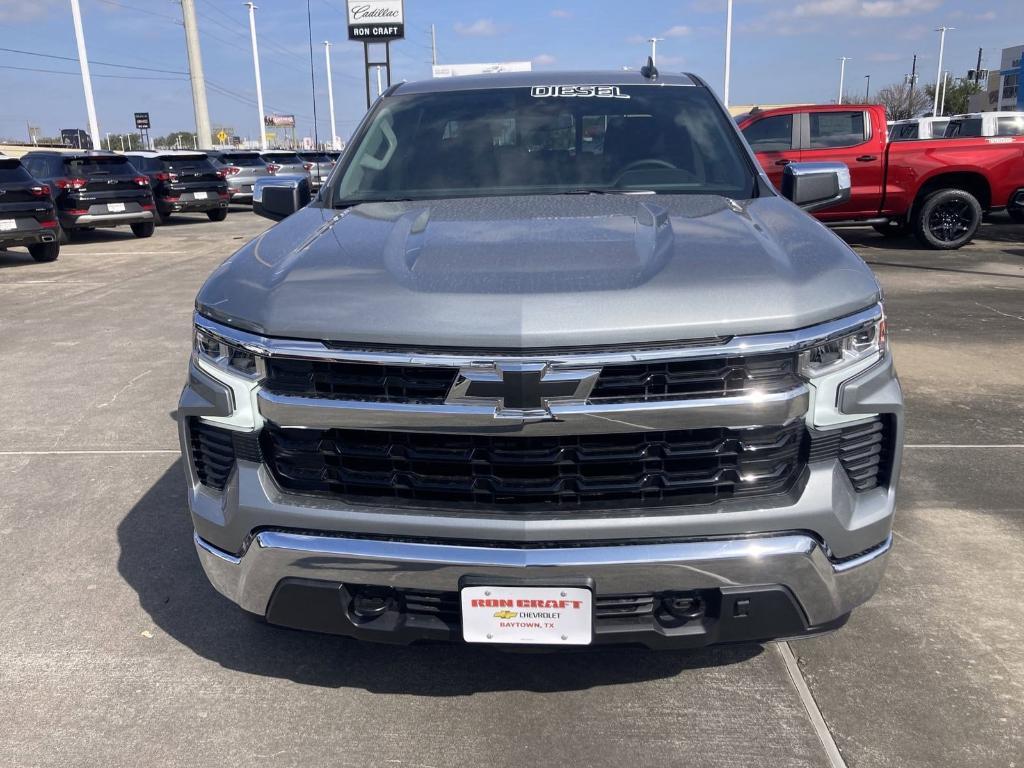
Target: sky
{"x": 782, "y": 51}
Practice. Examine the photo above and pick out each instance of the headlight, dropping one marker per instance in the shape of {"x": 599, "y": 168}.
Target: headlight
{"x": 227, "y": 356}
{"x": 843, "y": 351}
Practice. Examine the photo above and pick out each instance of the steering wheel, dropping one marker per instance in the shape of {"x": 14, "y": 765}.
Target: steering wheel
{"x": 647, "y": 161}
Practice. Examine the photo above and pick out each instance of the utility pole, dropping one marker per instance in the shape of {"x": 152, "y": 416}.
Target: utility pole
{"x": 83, "y": 62}
{"x": 433, "y": 44}
{"x": 121, "y": 138}
{"x": 256, "y": 67}
{"x": 380, "y": 87}
{"x": 977, "y": 69}
{"x": 330, "y": 94}
{"x": 842, "y": 76}
{"x": 912, "y": 79}
{"x": 728, "y": 50}
{"x": 867, "y": 88}
{"x": 109, "y": 147}
{"x": 938, "y": 73}
{"x": 195, "y": 71}
{"x": 942, "y": 105}
{"x": 654, "y": 48}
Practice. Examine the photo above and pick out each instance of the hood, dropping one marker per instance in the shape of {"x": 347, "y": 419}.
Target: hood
{"x": 539, "y": 271}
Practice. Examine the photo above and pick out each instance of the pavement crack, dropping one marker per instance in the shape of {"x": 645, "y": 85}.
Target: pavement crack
{"x": 835, "y": 758}
{"x": 122, "y": 390}
{"x": 999, "y": 312}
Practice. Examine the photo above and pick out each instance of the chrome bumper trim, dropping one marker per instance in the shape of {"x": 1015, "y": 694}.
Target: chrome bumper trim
{"x": 133, "y": 217}
{"x": 557, "y": 419}
{"x": 825, "y": 591}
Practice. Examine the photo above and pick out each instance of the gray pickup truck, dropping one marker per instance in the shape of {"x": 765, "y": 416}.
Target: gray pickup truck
{"x": 548, "y": 362}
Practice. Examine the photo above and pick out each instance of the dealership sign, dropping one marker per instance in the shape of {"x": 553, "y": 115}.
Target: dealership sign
{"x": 376, "y": 21}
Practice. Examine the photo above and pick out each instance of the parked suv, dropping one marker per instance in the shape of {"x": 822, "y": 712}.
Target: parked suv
{"x": 94, "y": 189}
{"x": 491, "y": 387}
{"x": 183, "y": 182}
{"x": 320, "y": 166}
{"x": 285, "y": 162}
{"x": 27, "y": 215}
{"x": 240, "y": 168}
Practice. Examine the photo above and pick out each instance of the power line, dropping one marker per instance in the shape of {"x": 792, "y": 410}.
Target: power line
{"x": 65, "y": 72}
{"x": 142, "y": 10}
{"x": 93, "y": 61}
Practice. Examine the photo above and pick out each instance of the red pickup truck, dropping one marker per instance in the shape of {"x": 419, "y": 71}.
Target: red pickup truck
{"x": 938, "y": 189}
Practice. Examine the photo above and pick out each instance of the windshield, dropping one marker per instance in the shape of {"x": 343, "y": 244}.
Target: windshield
{"x": 199, "y": 163}
{"x": 95, "y": 166}
{"x": 547, "y": 140}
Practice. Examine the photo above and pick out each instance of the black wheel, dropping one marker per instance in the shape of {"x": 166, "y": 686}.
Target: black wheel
{"x": 217, "y": 214}
{"x": 1016, "y": 215}
{"x": 892, "y": 228}
{"x": 45, "y": 251}
{"x": 143, "y": 229}
{"x": 947, "y": 219}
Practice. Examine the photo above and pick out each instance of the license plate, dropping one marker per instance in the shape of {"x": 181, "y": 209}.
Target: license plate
{"x": 199, "y": 195}
{"x": 115, "y": 207}
{"x": 528, "y": 615}
{"x": 6, "y": 225}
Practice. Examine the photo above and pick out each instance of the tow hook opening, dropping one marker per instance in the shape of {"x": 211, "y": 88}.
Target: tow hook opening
{"x": 369, "y": 603}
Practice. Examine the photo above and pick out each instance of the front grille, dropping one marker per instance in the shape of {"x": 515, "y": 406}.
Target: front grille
{"x": 359, "y": 381}
{"x": 214, "y": 451}
{"x": 447, "y": 606}
{"x": 634, "y": 382}
{"x": 863, "y": 450}
{"x": 492, "y": 473}
{"x": 696, "y": 378}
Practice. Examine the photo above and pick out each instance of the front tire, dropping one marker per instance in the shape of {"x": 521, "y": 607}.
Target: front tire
{"x": 43, "y": 252}
{"x": 217, "y": 214}
{"x": 143, "y": 229}
{"x": 947, "y": 219}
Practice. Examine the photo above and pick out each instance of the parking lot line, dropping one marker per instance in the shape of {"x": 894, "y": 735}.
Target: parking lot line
{"x": 139, "y": 451}
{"x": 964, "y": 445}
{"x": 835, "y": 758}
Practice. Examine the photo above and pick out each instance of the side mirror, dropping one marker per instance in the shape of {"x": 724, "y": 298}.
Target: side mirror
{"x": 278, "y": 197}
{"x": 814, "y": 186}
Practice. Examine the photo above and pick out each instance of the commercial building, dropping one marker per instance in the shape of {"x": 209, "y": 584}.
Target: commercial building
{"x": 1004, "y": 92}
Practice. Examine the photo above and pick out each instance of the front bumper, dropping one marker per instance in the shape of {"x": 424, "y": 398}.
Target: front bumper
{"x": 751, "y": 588}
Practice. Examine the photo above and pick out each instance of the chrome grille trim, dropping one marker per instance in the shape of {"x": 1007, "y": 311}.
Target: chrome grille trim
{"x": 787, "y": 341}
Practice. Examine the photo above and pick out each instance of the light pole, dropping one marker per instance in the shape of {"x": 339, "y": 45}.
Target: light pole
{"x": 195, "y": 72}
{"x": 728, "y": 50}
{"x": 942, "y": 104}
{"x": 867, "y": 88}
{"x": 330, "y": 93}
{"x": 842, "y": 76}
{"x": 83, "y": 62}
{"x": 256, "y": 67}
{"x": 938, "y": 73}
{"x": 654, "y": 48}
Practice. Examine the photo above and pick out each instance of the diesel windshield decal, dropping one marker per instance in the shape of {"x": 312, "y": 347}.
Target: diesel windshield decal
{"x": 579, "y": 91}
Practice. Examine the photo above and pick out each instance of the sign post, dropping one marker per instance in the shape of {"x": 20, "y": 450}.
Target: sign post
{"x": 376, "y": 21}
{"x": 142, "y": 124}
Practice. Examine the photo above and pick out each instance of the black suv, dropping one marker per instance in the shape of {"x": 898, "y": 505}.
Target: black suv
{"x": 94, "y": 189}
{"x": 27, "y": 214}
{"x": 183, "y": 182}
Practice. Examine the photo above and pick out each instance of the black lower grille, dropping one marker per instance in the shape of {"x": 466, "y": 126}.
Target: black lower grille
{"x": 545, "y": 473}
{"x": 215, "y": 449}
{"x": 447, "y": 606}
{"x": 864, "y": 450}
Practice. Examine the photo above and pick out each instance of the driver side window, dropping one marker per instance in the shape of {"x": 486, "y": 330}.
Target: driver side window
{"x": 773, "y": 134}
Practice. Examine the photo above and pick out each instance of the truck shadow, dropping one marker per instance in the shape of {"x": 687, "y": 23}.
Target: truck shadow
{"x": 158, "y": 561}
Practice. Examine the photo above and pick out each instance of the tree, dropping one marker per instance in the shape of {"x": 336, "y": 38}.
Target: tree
{"x": 176, "y": 140}
{"x": 958, "y": 95}
{"x": 900, "y": 103}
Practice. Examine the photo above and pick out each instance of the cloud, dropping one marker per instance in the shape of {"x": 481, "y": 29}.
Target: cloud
{"x": 679, "y": 30}
{"x": 884, "y": 56}
{"x": 544, "y": 59}
{"x": 560, "y": 13}
{"x": 478, "y": 28}
{"x": 878, "y": 9}
{"x": 17, "y": 11}
{"x": 636, "y": 39}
